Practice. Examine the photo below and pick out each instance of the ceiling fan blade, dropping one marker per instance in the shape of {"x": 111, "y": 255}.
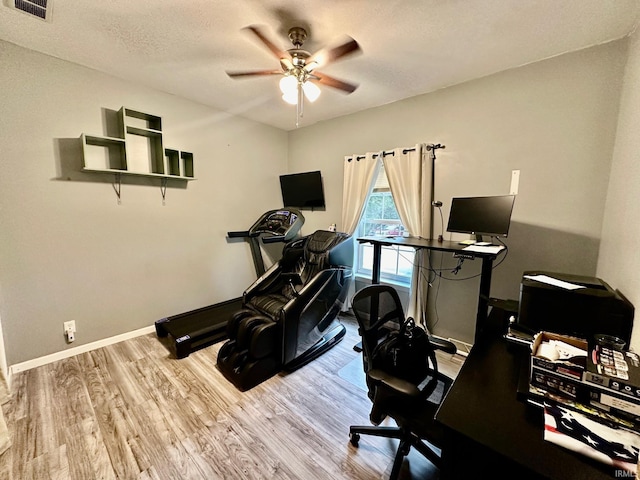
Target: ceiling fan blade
{"x": 260, "y": 33}
{"x": 254, "y": 73}
{"x": 327, "y": 55}
{"x": 333, "y": 82}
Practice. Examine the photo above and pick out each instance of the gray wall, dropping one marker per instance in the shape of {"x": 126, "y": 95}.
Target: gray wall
{"x": 554, "y": 120}
{"x": 68, "y": 251}
{"x": 619, "y": 259}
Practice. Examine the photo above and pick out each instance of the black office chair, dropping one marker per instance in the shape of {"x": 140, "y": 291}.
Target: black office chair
{"x": 411, "y": 404}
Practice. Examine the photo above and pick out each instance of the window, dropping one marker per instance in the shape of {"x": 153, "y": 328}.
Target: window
{"x": 381, "y": 217}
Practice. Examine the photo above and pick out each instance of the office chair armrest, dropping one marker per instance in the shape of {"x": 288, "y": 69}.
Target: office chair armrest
{"x": 394, "y": 385}
{"x": 442, "y": 344}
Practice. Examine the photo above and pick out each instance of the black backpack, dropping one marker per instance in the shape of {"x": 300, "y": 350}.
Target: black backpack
{"x": 405, "y": 353}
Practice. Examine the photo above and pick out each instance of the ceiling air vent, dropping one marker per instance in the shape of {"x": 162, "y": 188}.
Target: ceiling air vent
{"x": 37, "y": 8}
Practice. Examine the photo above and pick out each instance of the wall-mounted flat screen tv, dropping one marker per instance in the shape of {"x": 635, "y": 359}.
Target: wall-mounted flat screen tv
{"x": 302, "y": 190}
{"x": 481, "y": 215}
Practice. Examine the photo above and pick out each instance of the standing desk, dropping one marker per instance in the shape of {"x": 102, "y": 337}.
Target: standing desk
{"x": 436, "y": 246}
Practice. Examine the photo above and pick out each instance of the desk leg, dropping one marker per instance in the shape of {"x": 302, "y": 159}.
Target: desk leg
{"x": 483, "y": 297}
{"x": 375, "y": 270}
{"x": 375, "y": 278}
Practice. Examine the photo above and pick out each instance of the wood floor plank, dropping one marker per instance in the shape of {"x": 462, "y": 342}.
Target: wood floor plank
{"x": 130, "y": 380}
{"x": 154, "y": 440}
{"x": 52, "y": 465}
{"x": 292, "y": 435}
{"x": 71, "y": 402}
{"x": 131, "y": 411}
{"x": 35, "y": 433}
{"x": 86, "y": 453}
{"x": 113, "y": 420}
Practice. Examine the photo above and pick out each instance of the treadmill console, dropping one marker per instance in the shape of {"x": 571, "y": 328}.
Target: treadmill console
{"x": 285, "y": 224}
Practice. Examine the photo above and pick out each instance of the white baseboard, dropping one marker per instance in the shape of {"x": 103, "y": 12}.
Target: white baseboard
{"x": 54, "y": 357}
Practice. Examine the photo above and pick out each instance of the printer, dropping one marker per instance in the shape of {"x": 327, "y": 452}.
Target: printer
{"x": 573, "y": 305}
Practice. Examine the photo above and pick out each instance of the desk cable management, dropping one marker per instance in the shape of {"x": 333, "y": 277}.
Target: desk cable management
{"x": 437, "y": 272}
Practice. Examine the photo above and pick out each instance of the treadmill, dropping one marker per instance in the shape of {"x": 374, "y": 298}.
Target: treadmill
{"x": 190, "y": 331}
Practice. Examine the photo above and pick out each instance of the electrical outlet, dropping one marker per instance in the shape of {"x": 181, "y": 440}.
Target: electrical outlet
{"x": 70, "y": 330}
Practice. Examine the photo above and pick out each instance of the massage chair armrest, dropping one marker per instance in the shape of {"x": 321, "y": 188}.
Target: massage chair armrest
{"x": 262, "y": 283}
{"x": 313, "y": 287}
{"x": 319, "y": 299}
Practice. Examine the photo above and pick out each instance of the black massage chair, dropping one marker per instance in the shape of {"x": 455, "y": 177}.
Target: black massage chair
{"x": 289, "y": 314}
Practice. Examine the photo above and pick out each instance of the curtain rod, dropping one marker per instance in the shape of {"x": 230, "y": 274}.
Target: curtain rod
{"x": 430, "y": 147}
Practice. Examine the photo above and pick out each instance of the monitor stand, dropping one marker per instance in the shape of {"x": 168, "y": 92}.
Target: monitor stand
{"x": 480, "y": 242}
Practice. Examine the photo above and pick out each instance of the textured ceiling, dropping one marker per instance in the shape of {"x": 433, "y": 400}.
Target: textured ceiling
{"x": 409, "y": 47}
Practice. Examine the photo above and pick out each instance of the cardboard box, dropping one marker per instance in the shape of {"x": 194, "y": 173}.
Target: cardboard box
{"x": 616, "y": 405}
{"x": 614, "y": 372}
{"x": 573, "y": 368}
{"x": 554, "y": 383}
{"x": 583, "y": 386}
{"x": 612, "y": 381}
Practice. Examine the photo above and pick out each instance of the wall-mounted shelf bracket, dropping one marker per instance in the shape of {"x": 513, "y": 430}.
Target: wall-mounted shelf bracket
{"x": 117, "y": 185}
{"x": 163, "y": 189}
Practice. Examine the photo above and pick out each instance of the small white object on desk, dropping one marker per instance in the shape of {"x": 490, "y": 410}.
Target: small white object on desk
{"x": 558, "y": 350}
{"x": 484, "y": 248}
{"x": 548, "y": 351}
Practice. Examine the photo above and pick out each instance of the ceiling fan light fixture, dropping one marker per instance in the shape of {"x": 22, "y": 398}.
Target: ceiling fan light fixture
{"x": 291, "y": 97}
{"x": 297, "y": 67}
{"x": 311, "y": 91}
{"x": 289, "y": 85}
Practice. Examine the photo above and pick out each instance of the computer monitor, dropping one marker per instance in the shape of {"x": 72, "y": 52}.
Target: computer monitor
{"x": 481, "y": 215}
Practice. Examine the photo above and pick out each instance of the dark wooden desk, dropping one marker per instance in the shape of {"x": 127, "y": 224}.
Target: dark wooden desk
{"x": 444, "y": 246}
{"x": 487, "y": 429}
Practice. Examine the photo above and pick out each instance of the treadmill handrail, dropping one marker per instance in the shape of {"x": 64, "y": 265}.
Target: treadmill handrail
{"x": 273, "y": 239}
{"x": 242, "y": 234}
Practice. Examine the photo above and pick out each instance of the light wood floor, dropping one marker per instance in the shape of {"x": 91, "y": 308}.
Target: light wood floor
{"x": 130, "y": 411}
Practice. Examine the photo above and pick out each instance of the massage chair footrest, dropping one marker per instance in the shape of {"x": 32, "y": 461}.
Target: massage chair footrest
{"x": 245, "y": 373}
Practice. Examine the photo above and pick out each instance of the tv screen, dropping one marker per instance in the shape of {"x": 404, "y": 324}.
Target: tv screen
{"x": 481, "y": 215}
{"x": 302, "y": 190}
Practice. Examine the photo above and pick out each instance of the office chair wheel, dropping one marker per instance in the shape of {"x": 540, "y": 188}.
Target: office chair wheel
{"x": 354, "y": 438}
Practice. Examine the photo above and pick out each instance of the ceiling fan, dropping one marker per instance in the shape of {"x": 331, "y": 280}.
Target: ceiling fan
{"x": 298, "y": 67}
